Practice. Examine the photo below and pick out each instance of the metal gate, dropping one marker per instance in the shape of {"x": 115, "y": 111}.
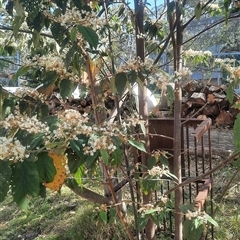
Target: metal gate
{"x": 196, "y": 158}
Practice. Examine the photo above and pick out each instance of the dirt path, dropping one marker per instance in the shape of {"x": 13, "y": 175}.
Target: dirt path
{"x": 222, "y": 141}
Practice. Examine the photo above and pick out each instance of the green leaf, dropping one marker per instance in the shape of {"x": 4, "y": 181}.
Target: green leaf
{"x": 45, "y": 167}
{"x": 17, "y": 23}
{"x": 37, "y": 141}
{"x": 49, "y": 79}
{"x": 151, "y": 162}
{"x": 137, "y": 145}
{"x": 69, "y": 56}
{"x": 77, "y": 146}
{"x": 236, "y": 131}
{"x": 116, "y": 157}
{"x": 132, "y": 76}
{"x": 120, "y": 82}
{"x": 103, "y": 216}
{"x": 121, "y": 10}
{"x": 35, "y": 38}
{"x": 211, "y": 220}
{"x": 198, "y": 11}
{"x": 189, "y": 230}
{"x": 104, "y": 155}
{"x": 230, "y": 92}
{"x": 164, "y": 160}
{"x": 79, "y": 174}
{"x": 89, "y": 35}
{"x": 19, "y": 8}
{"x": 73, "y": 34}
{"x": 66, "y": 88}
{"x": 74, "y": 161}
{"x": 5, "y": 179}
{"x": 78, "y": 4}
{"x": 142, "y": 222}
{"x": 25, "y": 182}
{"x": 20, "y": 72}
{"x": 58, "y": 32}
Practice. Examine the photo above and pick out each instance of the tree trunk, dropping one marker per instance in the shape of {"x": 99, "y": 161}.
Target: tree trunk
{"x": 143, "y": 108}
{"x": 177, "y": 125}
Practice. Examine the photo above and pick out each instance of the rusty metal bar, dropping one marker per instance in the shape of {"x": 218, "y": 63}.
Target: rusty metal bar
{"x": 203, "y": 193}
{"x": 201, "y": 129}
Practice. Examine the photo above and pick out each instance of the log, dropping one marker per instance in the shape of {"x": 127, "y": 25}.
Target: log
{"x": 198, "y": 99}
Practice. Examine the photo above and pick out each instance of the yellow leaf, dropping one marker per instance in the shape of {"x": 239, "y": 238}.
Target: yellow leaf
{"x": 59, "y": 163}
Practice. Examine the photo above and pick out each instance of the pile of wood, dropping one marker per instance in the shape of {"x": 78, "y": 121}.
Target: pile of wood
{"x": 206, "y": 100}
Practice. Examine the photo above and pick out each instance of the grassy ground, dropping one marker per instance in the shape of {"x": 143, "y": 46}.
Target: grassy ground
{"x": 68, "y": 217}
{"x": 65, "y": 217}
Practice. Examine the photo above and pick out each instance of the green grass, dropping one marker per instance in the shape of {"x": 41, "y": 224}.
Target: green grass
{"x": 65, "y": 217}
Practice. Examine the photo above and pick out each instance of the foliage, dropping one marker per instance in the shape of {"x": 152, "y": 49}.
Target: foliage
{"x": 72, "y": 45}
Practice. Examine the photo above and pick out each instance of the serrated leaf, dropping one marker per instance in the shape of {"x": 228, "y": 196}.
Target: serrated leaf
{"x": 5, "y": 178}
{"x": 103, "y": 216}
{"x": 120, "y": 82}
{"x": 25, "y": 182}
{"x": 89, "y": 35}
{"x": 236, "y": 130}
{"x": 66, "y": 88}
{"x": 46, "y": 168}
{"x": 59, "y": 163}
{"x": 198, "y": 11}
{"x": 137, "y": 145}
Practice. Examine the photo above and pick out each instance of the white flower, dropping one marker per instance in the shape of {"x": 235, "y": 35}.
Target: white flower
{"x": 12, "y": 149}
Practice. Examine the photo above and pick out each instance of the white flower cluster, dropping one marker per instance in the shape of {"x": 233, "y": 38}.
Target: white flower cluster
{"x": 83, "y": 18}
{"x": 228, "y": 65}
{"x": 30, "y": 124}
{"x": 70, "y": 124}
{"x": 224, "y": 61}
{"x": 98, "y": 143}
{"x": 12, "y": 150}
{"x": 189, "y": 215}
{"x": 131, "y": 64}
{"x": 133, "y": 121}
{"x": 184, "y": 72}
{"x": 25, "y": 91}
{"x": 157, "y": 171}
{"x": 192, "y": 53}
{"x": 214, "y": 7}
{"x": 53, "y": 63}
